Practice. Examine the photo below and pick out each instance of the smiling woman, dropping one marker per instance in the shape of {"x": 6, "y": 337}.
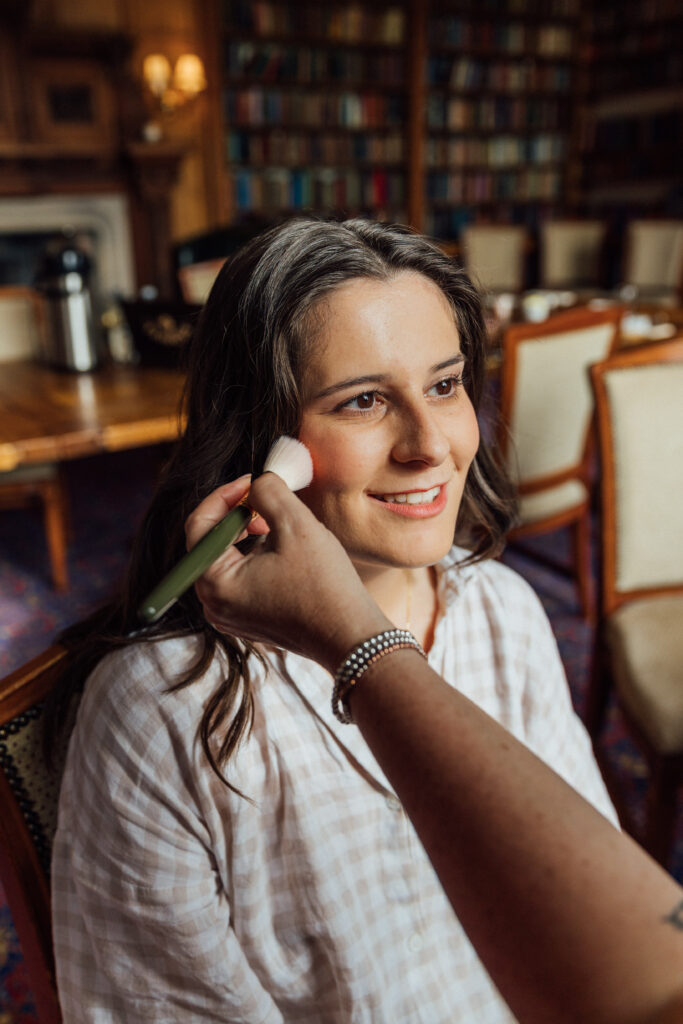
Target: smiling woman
{"x": 227, "y": 848}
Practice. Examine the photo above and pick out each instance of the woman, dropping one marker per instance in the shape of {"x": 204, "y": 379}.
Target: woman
{"x": 227, "y": 850}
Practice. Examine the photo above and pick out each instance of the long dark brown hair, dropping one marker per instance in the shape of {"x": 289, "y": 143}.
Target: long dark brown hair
{"x": 242, "y": 392}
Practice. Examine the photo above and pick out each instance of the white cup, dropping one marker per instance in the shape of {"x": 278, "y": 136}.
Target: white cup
{"x": 536, "y": 307}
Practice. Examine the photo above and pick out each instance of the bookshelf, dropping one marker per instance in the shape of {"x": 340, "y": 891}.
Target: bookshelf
{"x": 633, "y": 103}
{"x": 441, "y": 112}
{"x": 315, "y": 101}
{"x": 499, "y": 119}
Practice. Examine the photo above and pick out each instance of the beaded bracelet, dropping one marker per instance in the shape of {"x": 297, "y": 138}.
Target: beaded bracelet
{"x": 359, "y": 661}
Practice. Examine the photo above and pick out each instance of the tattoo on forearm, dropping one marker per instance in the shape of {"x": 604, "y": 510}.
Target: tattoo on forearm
{"x": 675, "y": 918}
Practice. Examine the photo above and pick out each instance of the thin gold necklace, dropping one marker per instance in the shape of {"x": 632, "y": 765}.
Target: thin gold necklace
{"x": 409, "y": 596}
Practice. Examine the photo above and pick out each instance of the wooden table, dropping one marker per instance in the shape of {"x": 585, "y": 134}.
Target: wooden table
{"x": 50, "y": 415}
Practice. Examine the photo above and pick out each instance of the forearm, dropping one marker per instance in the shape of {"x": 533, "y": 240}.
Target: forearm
{"x": 567, "y": 914}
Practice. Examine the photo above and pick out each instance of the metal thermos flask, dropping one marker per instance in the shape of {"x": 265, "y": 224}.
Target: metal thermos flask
{"x": 69, "y": 338}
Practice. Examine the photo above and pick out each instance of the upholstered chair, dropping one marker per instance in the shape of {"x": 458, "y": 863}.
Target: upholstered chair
{"x": 571, "y": 254}
{"x": 639, "y": 643}
{"x": 495, "y": 255}
{"x": 29, "y": 792}
{"x": 654, "y": 259}
{"x": 546, "y": 417}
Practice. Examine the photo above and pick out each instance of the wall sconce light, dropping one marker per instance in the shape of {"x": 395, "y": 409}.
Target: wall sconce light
{"x": 170, "y": 87}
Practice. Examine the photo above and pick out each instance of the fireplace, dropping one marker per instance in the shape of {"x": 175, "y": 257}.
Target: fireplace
{"x": 102, "y": 217}
{"x": 28, "y": 222}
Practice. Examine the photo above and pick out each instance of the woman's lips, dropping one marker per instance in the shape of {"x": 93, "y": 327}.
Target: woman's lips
{"x": 412, "y": 508}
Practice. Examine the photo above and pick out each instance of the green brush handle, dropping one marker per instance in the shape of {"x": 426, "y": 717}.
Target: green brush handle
{"x": 194, "y": 563}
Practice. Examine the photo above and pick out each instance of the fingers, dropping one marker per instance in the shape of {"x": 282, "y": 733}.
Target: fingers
{"x": 214, "y": 508}
{"x": 217, "y": 505}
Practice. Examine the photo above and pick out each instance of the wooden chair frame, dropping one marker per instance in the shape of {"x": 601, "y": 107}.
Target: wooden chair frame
{"x": 51, "y": 494}
{"x": 26, "y": 885}
{"x": 666, "y": 771}
{"x": 578, "y": 517}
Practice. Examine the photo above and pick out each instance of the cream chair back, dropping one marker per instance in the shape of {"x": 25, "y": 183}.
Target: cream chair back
{"x": 571, "y": 252}
{"x": 645, "y": 404}
{"x": 551, "y": 404}
{"x": 654, "y": 255}
{"x": 21, "y": 323}
{"x": 494, "y": 256}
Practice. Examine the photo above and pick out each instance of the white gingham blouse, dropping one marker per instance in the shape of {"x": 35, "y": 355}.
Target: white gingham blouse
{"x": 176, "y": 900}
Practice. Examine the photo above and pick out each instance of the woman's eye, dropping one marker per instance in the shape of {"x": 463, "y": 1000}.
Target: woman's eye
{"x": 446, "y": 387}
{"x": 362, "y": 403}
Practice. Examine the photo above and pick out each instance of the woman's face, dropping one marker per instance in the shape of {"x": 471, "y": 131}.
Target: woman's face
{"x": 388, "y": 423}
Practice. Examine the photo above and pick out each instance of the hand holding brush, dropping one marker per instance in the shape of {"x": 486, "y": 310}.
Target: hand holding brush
{"x": 291, "y": 461}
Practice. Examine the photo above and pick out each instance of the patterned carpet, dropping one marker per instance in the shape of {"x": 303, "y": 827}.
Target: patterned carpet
{"x": 108, "y": 495}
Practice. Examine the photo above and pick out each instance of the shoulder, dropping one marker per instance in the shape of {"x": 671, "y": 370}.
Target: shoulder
{"x": 140, "y": 673}
{"x": 131, "y": 697}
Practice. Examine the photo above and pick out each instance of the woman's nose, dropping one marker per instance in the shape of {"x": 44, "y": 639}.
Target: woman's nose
{"x": 420, "y": 437}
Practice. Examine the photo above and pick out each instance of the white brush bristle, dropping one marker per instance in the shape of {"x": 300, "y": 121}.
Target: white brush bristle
{"x": 292, "y": 461}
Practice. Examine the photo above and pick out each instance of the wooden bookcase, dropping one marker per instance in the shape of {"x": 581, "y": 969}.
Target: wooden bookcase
{"x": 315, "y": 105}
{"x": 439, "y": 112}
{"x": 499, "y": 132}
{"x": 633, "y": 103}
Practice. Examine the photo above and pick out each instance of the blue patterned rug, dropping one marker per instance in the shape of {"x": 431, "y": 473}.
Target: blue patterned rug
{"x": 108, "y": 495}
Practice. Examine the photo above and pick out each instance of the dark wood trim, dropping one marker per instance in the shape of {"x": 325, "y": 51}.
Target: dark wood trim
{"x": 31, "y": 683}
{"x": 550, "y": 523}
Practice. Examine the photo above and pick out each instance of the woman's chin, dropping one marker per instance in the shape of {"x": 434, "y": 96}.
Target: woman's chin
{"x": 421, "y": 558}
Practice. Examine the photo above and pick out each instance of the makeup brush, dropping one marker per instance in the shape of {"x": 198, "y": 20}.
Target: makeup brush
{"x": 291, "y": 460}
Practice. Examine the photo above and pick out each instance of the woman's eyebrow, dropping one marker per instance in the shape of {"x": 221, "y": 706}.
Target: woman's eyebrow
{"x": 455, "y": 360}
{"x": 350, "y": 382}
{"x": 378, "y": 378}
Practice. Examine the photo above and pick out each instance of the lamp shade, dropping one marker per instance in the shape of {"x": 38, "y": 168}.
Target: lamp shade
{"x": 189, "y": 75}
{"x": 156, "y": 71}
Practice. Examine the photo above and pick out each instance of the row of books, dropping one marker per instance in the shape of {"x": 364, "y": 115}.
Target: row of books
{"x": 543, "y": 40}
{"x": 638, "y": 42}
{"x": 519, "y": 8}
{"x": 523, "y": 185}
{"x": 280, "y": 188}
{"x": 351, "y": 22}
{"x": 523, "y": 75}
{"x": 498, "y": 151}
{"x": 271, "y": 62}
{"x": 299, "y": 148}
{"x": 296, "y": 107}
{"x": 658, "y": 133}
{"x": 614, "y": 18}
{"x": 500, "y": 113}
{"x": 634, "y": 76}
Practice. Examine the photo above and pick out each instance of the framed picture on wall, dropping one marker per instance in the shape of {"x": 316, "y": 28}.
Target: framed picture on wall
{"x": 73, "y": 104}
